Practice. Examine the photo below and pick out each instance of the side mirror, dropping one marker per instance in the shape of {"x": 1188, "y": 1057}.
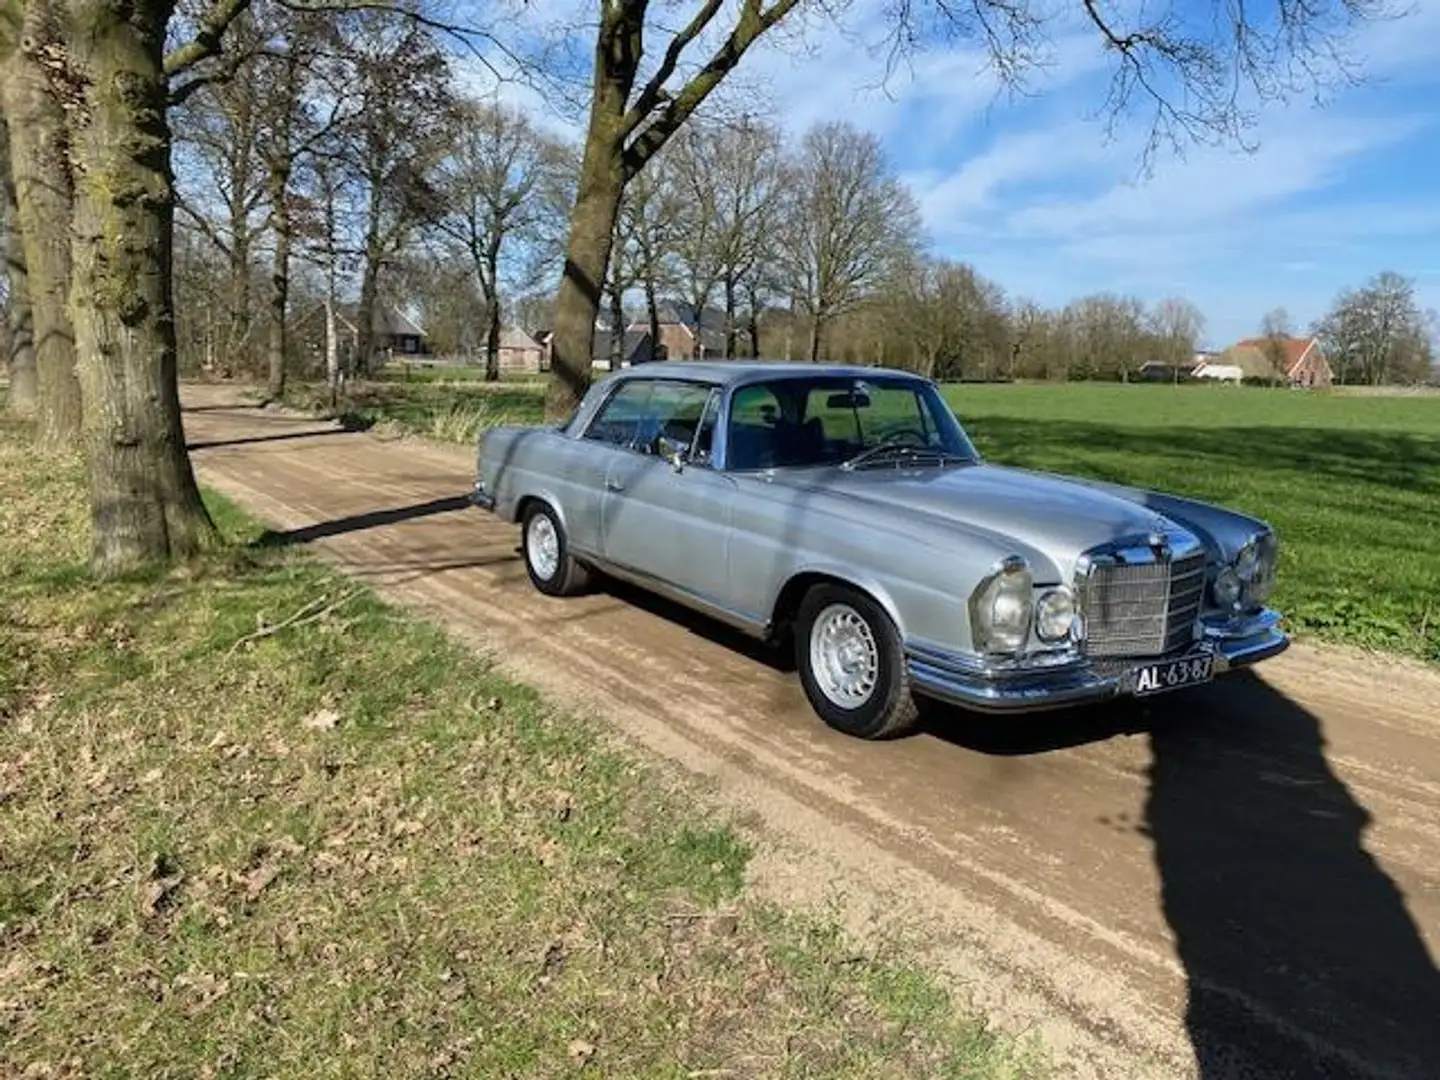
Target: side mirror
{"x": 672, "y": 451}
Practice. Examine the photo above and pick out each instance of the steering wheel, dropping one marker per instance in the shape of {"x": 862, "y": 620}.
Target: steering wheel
{"x": 900, "y": 436}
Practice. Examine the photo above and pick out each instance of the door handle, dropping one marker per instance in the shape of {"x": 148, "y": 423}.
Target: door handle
{"x": 613, "y": 485}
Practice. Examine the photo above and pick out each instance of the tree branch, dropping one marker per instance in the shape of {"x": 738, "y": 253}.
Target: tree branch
{"x": 650, "y": 95}
{"x": 207, "y": 40}
{"x": 754, "y": 21}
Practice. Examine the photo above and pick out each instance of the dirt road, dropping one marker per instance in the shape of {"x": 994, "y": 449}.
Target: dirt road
{"x": 1241, "y": 882}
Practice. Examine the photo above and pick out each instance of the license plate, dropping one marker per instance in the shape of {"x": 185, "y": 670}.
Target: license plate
{"x": 1172, "y": 674}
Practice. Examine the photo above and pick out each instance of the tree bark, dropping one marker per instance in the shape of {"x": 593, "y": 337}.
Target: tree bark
{"x": 44, "y": 196}
{"x": 365, "y": 317}
{"x": 592, "y": 231}
{"x": 145, "y": 505}
{"x": 730, "y": 328}
{"x": 618, "y": 51}
{"x": 492, "y": 334}
{"x": 617, "y": 327}
{"x": 20, "y": 358}
{"x": 279, "y": 282}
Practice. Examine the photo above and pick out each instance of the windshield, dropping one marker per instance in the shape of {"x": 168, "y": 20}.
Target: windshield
{"x": 830, "y": 419}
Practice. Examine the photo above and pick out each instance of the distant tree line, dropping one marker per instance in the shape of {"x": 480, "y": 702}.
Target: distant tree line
{"x": 401, "y": 189}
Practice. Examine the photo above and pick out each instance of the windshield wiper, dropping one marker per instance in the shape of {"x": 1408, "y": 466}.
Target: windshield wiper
{"x": 903, "y": 454}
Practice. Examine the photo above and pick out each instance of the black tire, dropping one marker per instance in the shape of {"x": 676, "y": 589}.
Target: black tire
{"x": 890, "y": 708}
{"x": 569, "y": 576}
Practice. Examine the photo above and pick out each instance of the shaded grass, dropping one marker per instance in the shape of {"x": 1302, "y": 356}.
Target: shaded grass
{"x": 1352, "y": 484}
{"x": 257, "y": 823}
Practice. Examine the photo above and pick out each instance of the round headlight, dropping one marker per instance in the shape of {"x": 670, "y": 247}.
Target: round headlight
{"x": 1228, "y": 587}
{"x": 1261, "y": 582}
{"x": 1001, "y": 608}
{"x": 1054, "y": 615}
{"x": 1247, "y": 562}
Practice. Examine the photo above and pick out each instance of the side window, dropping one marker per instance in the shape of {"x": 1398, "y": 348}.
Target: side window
{"x": 754, "y": 414}
{"x": 619, "y": 419}
{"x": 644, "y": 409}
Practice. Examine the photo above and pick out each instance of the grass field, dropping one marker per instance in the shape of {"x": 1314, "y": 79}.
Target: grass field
{"x": 253, "y": 822}
{"x": 1352, "y": 483}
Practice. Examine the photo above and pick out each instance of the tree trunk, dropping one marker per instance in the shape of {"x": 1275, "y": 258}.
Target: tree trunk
{"x": 365, "y": 317}
{"x": 816, "y": 325}
{"x": 754, "y": 299}
{"x": 492, "y": 334}
{"x": 592, "y": 231}
{"x": 20, "y": 359}
{"x": 652, "y": 314}
{"x": 145, "y": 505}
{"x": 730, "y": 329}
{"x": 618, "y": 51}
{"x": 617, "y": 327}
{"x": 44, "y": 195}
{"x": 279, "y": 282}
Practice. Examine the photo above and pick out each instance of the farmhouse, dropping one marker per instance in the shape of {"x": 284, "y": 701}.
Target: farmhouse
{"x": 393, "y": 335}
{"x": 685, "y": 332}
{"x": 521, "y": 354}
{"x": 1299, "y": 361}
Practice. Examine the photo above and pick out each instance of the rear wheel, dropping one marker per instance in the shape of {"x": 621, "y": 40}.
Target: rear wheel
{"x": 552, "y": 569}
{"x": 852, "y": 664}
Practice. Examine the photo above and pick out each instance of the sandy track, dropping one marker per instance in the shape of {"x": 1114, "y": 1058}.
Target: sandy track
{"x": 1241, "y": 882}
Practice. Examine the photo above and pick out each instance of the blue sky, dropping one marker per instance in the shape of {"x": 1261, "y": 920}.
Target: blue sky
{"x": 1034, "y": 194}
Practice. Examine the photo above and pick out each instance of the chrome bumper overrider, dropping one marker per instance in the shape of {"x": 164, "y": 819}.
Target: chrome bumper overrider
{"x": 481, "y": 498}
{"x": 963, "y": 680}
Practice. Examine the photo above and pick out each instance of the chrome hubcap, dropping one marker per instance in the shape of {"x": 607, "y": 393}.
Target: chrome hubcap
{"x": 542, "y": 547}
{"x": 844, "y": 657}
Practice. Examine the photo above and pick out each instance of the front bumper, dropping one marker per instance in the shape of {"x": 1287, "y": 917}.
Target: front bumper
{"x": 481, "y": 498}
{"x": 964, "y": 681}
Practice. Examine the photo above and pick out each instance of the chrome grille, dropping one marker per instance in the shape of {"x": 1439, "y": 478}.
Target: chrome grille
{"x": 1141, "y": 609}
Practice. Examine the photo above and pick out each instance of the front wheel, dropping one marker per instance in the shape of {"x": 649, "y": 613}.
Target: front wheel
{"x": 852, "y": 664}
{"x": 552, "y": 569}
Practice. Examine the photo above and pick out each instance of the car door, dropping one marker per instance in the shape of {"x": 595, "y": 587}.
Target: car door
{"x": 664, "y": 521}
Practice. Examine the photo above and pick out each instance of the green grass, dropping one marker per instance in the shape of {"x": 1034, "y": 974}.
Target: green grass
{"x": 1352, "y": 483}
{"x": 254, "y": 822}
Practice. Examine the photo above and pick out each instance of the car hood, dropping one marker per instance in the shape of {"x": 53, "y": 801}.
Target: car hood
{"x": 1058, "y": 517}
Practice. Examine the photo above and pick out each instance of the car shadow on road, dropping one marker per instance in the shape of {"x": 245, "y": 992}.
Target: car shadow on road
{"x": 251, "y": 440}
{"x": 1301, "y": 957}
{"x": 370, "y": 519}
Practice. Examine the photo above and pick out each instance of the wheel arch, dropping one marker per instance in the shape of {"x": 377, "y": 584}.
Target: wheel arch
{"x": 792, "y": 592}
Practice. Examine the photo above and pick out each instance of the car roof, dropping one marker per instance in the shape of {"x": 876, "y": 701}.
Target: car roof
{"x": 737, "y": 372}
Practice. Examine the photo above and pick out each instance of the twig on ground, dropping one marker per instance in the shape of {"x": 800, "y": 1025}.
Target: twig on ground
{"x": 304, "y": 616}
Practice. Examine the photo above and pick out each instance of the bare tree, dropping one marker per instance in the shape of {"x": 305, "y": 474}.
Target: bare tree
{"x": 1177, "y": 325}
{"x": 504, "y": 188}
{"x": 32, "y": 42}
{"x": 698, "y": 229}
{"x": 951, "y": 321}
{"x": 744, "y": 162}
{"x": 1276, "y": 329}
{"x": 649, "y": 220}
{"x": 19, "y": 318}
{"x": 393, "y": 143}
{"x": 1377, "y": 333}
{"x": 846, "y": 223}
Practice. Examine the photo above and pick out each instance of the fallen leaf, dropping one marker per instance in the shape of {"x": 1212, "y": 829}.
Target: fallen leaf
{"x": 156, "y": 892}
{"x": 564, "y": 805}
{"x": 259, "y": 879}
{"x": 581, "y": 1052}
{"x": 323, "y": 720}
{"x": 152, "y": 777}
